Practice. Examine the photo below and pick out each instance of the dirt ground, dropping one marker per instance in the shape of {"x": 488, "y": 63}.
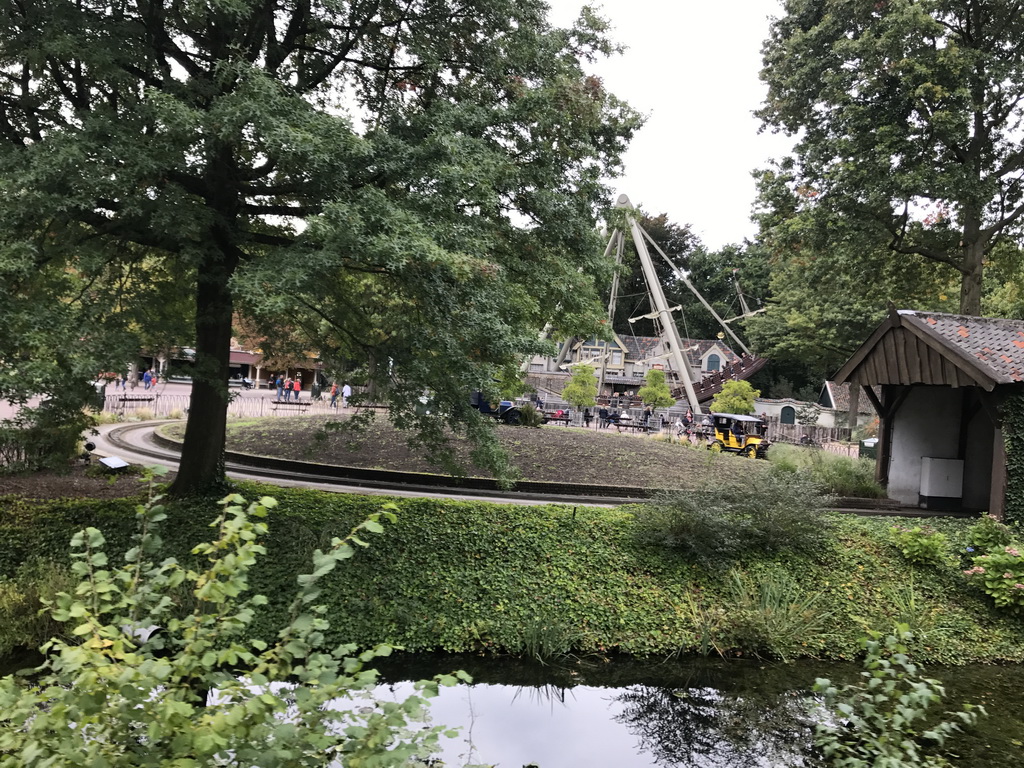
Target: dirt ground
{"x": 77, "y": 482}
{"x": 550, "y": 453}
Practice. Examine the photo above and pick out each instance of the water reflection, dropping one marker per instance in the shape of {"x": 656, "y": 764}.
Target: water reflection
{"x": 701, "y": 726}
{"x": 686, "y": 714}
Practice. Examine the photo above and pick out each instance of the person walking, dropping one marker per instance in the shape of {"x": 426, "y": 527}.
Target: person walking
{"x": 287, "y": 388}
{"x": 279, "y": 383}
{"x": 147, "y": 379}
{"x": 346, "y": 393}
{"x": 334, "y": 395}
{"x": 297, "y": 387}
{"x": 587, "y": 416}
{"x": 602, "y": 418}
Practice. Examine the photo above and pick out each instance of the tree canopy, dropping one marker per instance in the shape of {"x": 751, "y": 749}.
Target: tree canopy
{"x": 411, "y": 185}
{"x": 908, "y": 114}
{"x": 736, "y": 397}
{"x": 581, "y": 389}
{"x": 655, "y": 391}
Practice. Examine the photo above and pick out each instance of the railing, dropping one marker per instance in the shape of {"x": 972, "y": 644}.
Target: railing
{"x": 159, "y": 406}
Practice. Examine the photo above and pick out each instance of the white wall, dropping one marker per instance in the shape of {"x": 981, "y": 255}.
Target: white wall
{"x": 927, "y": 424}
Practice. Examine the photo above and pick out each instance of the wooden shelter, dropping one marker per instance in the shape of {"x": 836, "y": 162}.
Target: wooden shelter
{"x": 942, "y": 379}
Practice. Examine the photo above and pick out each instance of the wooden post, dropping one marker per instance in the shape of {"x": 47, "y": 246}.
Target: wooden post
{"x": 997, "y": 490}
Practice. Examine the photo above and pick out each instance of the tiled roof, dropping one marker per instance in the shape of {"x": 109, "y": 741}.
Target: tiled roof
{"x": 839, "y": 394}
{"x": 995, "y": 344}
{"x": 643, "y": 347}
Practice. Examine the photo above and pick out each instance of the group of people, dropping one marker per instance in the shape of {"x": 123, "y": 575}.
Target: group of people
{"x": 615, "y": 417}
{"x": 288, "y": 388}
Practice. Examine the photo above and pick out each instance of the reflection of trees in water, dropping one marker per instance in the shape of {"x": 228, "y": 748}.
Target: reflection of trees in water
{"x": 701, "y": 727}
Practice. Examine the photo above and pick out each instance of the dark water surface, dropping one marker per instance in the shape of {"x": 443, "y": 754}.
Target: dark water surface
{"x": 682, "y": 712}
{"x": 700, "y": 713}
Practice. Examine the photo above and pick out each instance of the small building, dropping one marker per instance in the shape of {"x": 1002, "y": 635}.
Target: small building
{"x": 945, "y": 382}
{"x": 626, "y": 361}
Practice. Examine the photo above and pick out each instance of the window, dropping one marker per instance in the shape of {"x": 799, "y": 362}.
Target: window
{"x": 714, "y": 363}
{"x": 788, "y": 415}
{"x": 616, "y": 358}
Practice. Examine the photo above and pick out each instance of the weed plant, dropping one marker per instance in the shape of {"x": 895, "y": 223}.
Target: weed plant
{"x": 716, "y": 526}
{"x": 835, "y": 475}
{"x": 886, "y": 718}
{"x": 529, "y": 416}
{"x": 22, "y": 599}
{"x": 772, "y": 614}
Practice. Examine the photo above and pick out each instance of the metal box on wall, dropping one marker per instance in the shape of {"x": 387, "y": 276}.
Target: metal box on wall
{"x": 942, "y": 483}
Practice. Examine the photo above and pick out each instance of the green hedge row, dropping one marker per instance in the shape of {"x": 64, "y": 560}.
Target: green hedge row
{"x": 472, "y": 576}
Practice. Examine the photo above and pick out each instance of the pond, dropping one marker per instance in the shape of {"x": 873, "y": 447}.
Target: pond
{"x": 685, "y": 712}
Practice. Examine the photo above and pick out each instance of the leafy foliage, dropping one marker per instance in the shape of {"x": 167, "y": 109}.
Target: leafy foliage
{"x": 719, "y": 525}
{"x": 736, "y": 397}
{"x": 922, "y": 544}
{"x": 145, "y": 684}
{"x": 655, "y": 391}
{"x": 833, "y": 474}
{"x": 1000, "y": 574}
{"x": 581, "y": 389}
{"x": 885, "y": 719}
{"x": 480, "y": 578}
{"x": 352, "y": 177}
{"x": 906, "y": 122}
{"x": 989, "y": 534}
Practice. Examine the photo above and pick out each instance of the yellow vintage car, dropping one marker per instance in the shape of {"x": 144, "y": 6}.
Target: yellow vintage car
{"x": 745, "y": 435}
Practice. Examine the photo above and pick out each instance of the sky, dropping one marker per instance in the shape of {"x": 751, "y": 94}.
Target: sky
{"x": 692, "y": 68}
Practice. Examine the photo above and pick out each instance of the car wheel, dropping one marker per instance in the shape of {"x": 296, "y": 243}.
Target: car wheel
{"x": 751, "y": 452}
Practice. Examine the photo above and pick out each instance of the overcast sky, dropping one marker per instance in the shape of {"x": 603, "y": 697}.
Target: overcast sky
{"x": 692, "y": 67}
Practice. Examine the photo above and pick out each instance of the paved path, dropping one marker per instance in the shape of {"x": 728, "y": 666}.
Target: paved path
{"x": 134, "y": 443}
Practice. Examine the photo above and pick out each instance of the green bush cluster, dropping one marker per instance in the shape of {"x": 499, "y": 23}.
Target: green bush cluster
{"x": 1000, "y": 574}
{"x": 22, "y": 595}
{"x": 886, "y": 718}
{"x": 41, "y": 438}
{"x": 835, "y": 475}
{"x": 715, "y": 526}
{"x": 545, "y": 580}
{"x": 921, "y": 544}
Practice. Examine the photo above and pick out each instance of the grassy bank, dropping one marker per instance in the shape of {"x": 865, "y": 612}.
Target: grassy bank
{"x": 468, "y": 576}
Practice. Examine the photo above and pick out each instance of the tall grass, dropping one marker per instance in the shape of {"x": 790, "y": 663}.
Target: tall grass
{"x": 834, "y": 475}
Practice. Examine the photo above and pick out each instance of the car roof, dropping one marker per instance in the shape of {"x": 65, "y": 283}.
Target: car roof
{"x": 736, "y": 416}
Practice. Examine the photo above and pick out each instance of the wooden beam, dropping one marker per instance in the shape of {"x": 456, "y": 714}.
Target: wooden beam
{"x": 875, "y": 402}
{"x": 900, "y": 339}
{"x": 997, "y": 489}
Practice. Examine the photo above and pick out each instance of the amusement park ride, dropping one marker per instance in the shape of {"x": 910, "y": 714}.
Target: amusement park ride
{"x": 696, "y": 389}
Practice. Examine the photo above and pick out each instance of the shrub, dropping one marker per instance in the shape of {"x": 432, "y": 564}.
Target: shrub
{"x": 988, "y": 534}
{"x": 25, "y": 624}
{"x": 1000, "y": 575}
{"x": 837, "y": 475}
{"x": 200, "y": 690}
{"x": 715, "y": 526}
{"x": 46, "y": 437}
{"x": 921, "y": 545}
{"x": 772, "y": 614}
{"x": 529, "y": 416}
{"x": 881, "y": 720}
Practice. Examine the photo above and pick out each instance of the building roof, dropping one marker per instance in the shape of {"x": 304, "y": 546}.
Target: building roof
{"x": 643, "y": 347}
{"x": 911, "y": 347}
{"x": 838, "y": 397}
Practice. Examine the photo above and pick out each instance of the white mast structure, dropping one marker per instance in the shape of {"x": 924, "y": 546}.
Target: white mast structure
{"x": 670, "y": 339}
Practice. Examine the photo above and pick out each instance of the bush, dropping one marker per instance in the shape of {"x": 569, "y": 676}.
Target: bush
{"x": 921, "y": 545}
{"x": 200, "y": 690}
{"x": 529, "y": 416}
{"x": 836, "y": 475}
{"x": 716, "y": 526}
{"x": 1000, "y": 575}
{"x": 772, "y": 613}
{"x": 881, "y": 720}
{"x": 46, "y": 437}
{"x": 24, "y": 622}
{"x": 988, "y": 535}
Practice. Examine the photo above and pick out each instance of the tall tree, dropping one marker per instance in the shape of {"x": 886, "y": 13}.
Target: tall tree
{"x": 908, "y": 114}
{"x": 352, "y": 168}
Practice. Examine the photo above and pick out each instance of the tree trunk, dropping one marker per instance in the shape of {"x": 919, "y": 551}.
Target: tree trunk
{"x": 970, "y": 283}
{"x": 201, "y": 470}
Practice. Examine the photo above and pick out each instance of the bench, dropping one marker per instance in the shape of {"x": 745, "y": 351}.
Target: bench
{"x": 563, "y": 419}
{"x": 637, "y": 427}
{"x": 302, "y": 405}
